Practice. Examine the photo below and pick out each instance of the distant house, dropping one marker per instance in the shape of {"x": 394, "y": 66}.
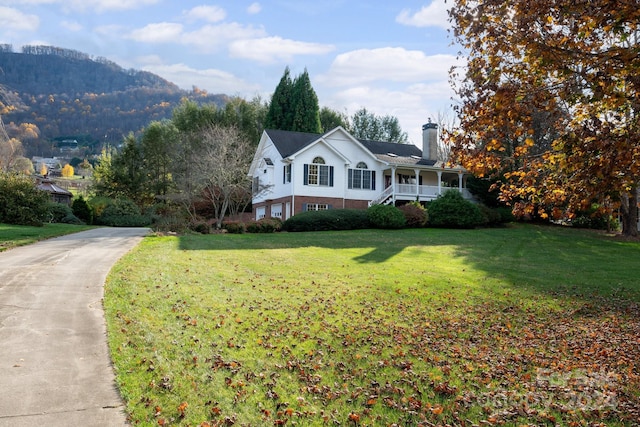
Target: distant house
{"x": 293, "y": 172}
{"x": 58, "y": 194}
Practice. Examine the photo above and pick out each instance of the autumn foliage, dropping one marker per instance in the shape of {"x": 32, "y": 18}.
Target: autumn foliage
{"x": 550, "y": 102}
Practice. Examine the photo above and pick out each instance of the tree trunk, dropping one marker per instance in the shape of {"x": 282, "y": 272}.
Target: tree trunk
{"x": 629, "y": 209}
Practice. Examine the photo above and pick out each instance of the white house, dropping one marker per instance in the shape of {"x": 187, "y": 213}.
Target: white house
{"x": 294, "y": 172}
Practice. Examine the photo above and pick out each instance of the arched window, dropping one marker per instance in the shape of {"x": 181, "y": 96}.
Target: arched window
{"x": 361, "y": 178}
{"x": 318, "y": 173}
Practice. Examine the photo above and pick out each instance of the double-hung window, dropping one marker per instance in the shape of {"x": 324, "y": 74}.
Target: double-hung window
{"x": 361, "y": 178}
{"x": 318, "y": 173}
{"x": 287, "y": 174}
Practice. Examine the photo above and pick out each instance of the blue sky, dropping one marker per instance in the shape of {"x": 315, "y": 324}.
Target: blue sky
{"x": 390, "y": 57}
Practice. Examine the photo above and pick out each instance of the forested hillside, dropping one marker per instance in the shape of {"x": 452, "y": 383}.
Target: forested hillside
{"x": 69, "y": 94}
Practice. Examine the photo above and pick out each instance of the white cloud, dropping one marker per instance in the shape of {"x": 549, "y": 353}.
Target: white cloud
{"x": 433, "y": 15}
{"x": 208, "y": 38}
{"x": 211, "y": 37}
{"x": 407, "y": 84}
{"x": 411, "y": 108}
{"x": 274, "y": 49}
{"x": 389, "y": 64}
{"x": 14, "y": 20}
{"x": 106, "y": 5}
{"x": 84, "y": 5}
{"x": 72, "y": 25}
{"x": 212, "y": 80}
{"x": 162, "y": 32}
{"x": 109, "y": 30}
{"x": 254, "y": 8}
{"x": 206, "y": 13}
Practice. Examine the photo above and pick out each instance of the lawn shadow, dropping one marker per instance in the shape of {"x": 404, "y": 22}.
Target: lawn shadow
{"x": 532, "y": 258}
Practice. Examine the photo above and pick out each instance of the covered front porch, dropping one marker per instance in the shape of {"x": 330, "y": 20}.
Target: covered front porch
{"x": 421, "y": 185}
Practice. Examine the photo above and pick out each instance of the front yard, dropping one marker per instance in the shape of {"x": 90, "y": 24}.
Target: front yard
{"x": 518, "y": 326}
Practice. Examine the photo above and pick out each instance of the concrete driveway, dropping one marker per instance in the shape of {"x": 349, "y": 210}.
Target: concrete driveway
{"x": 55, "y": 368}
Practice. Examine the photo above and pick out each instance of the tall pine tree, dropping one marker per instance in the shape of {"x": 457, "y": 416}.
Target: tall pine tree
{"x": 306, "y": 111}
{"x": 294, "y": 105}
{"x": 280, "y": 114}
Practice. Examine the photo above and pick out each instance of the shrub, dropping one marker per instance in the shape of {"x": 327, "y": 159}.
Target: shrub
{"x": 169, "y": 217}
{"x": 594, "y": 219}
{"x": 415, "y": 214}
{"x": 21, "y": 203}
{"x": 265, "y": 225}
{"x": 61, "y": 213}
{"x": 490, "y": 217}
{"x": 200, "y": 227}
{"x": 453, "y": 211}
{"x": 386, "y": 216}
{"x": 82, "y": 210}
{"x": 332, "y": 219}
{"x": 98, "y": 204}
{"x": 123, "y": 213}
{"x": 234, "y": 227}
{"x": 506, "y": 214}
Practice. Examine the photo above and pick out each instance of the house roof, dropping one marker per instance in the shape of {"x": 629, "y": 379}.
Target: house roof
{"x": 288, "y": 143}
{"x": 50, "y": 187}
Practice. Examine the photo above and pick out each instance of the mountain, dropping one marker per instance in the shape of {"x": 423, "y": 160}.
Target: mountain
{"x": 70, "y": 95}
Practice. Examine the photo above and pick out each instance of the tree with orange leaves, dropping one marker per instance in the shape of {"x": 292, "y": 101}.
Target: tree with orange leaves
{"x": 576, "y": 65}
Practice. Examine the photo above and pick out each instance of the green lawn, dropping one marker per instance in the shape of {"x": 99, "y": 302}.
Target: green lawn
{"x": 517, "y": 326}
{"x": 19, "y": 235}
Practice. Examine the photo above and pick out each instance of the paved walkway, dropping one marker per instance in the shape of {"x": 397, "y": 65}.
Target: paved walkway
{"x": 55, "y": 368}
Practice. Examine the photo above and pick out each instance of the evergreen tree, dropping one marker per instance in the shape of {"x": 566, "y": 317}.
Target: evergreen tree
{"x": 306, "y": 111}
{"x": 280, "y": 114}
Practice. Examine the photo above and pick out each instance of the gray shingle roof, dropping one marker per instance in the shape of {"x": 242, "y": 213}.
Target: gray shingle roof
{"x": 288, "y": 142}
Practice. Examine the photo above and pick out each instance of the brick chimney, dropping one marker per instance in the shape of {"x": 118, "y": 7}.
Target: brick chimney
{"x": 430, "y": 141}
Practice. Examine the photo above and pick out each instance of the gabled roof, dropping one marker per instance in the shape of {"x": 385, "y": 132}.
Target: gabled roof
{"x": 289, "y": 142}
{"x": 50, "y": 187}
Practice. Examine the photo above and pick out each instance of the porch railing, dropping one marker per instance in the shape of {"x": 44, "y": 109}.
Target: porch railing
{"x": 413, "y": 191}
{"x": 382, "y": 197}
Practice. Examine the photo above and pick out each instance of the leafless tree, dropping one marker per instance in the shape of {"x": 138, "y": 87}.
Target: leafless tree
{"x": 446, "y": 124}
{"x": 216, "y": 163}
{"x": 10, "y": 149}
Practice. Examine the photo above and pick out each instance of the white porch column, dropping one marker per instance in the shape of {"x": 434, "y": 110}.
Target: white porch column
{"x": 393, "y": 184}
{"x": 439, "y": 182}
{"x": 460, "y": 175}
{"x": 417, "y": 172}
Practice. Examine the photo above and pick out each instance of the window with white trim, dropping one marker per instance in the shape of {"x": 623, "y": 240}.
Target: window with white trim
{"x": 316, "y": 207}
{"x": 318, "y": 173}
{"x": 287, "y": 174}
{"x": 361, "y": 178}
{"x": 255, "y": 185}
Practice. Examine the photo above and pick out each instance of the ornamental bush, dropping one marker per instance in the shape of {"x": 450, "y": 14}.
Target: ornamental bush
{"x": 332, "y": 219}
{"x": 264, "y": 225}
{"x": 415, "y": 214}
{"x": 82, "y": 210}
{"x": 234, "y": 227}
{"x": 123, "y": 213}
{"x": 61, "y": 213}
{"x": 451, "y": 210}
{"x": 386, "y": 216}
{"x": 201, "y": 227}
{"x": 21, "y": 203}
